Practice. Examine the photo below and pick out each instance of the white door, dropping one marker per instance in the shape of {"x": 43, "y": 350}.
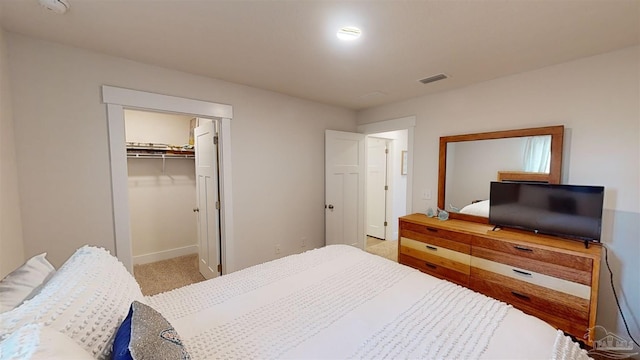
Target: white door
{"x": 208, "y": 198}
{"x": 377, "y": 152}
{"x": 344, "y": 188}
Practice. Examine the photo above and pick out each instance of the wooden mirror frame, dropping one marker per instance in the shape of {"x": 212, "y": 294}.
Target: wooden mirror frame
{"x": 555, "y": 168}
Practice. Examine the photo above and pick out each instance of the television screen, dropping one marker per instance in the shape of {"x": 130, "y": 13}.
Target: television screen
{"x": 573, "y": 211}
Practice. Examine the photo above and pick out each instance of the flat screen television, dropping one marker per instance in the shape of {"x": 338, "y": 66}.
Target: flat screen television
{"x": 570, "y": 211}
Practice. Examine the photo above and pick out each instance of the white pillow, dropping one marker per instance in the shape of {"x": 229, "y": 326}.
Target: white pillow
{"x": 36, "y": 342}
{"x": 86, "y": 300}
{"x": 24, "y": 282}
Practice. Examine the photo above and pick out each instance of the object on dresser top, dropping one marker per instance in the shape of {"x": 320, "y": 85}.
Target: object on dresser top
{"x": 572, "y": 211}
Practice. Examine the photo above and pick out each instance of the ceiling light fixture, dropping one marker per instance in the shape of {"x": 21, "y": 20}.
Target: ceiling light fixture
{"x": 57, "y": 6}
{"x": 349, "y": 33}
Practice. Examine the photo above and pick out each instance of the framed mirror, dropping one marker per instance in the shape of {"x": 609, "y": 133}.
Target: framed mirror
{"x": 468, "y": 163}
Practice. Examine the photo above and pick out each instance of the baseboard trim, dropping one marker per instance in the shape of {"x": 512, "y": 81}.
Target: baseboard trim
{"x": 165, "y": 254}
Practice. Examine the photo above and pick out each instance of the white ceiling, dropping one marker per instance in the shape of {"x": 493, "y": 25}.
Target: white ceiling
{"x": 291, "y": 47}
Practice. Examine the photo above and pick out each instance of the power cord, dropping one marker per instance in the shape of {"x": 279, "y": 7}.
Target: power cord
{"x": 615, "y": 295}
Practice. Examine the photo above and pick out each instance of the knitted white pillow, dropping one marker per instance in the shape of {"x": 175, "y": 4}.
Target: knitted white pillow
{"x": 35, "y": 342}
{"x": 24, "y": 282}
{"x": 86, "y": 300}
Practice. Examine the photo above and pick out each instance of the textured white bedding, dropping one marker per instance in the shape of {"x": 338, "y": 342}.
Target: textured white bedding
{"x": 339, "y": 302}
{"x": 481, "y": 208}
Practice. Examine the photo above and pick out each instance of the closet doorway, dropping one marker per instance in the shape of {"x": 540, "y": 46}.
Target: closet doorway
{"x": 119, "y": 99}
{"x": 387, "y": 180}
{"x": 388, "y": 196}
{"x": 377, "y": 186}
{"x": 173, "y": 228}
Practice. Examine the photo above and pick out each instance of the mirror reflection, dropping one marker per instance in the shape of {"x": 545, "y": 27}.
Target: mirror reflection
{"x": 472, "y": 165}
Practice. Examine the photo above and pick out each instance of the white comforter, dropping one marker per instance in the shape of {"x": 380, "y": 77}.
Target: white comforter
{"x": 339, "y": 302}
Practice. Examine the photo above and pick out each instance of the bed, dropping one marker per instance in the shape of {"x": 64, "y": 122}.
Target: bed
{"x": 335, "y": 302}
{"x": 478, "y": 208}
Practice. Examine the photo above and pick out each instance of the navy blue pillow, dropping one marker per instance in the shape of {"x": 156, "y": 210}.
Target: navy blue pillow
{"x": 146, "y": 334}
{"x": 123, "y": 338}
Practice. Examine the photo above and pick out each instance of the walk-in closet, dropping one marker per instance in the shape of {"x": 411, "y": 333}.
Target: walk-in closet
{"x": 162, "y": 198}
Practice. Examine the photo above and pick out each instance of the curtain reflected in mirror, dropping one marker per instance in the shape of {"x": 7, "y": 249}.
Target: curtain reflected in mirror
{"x": 537, "y": 154}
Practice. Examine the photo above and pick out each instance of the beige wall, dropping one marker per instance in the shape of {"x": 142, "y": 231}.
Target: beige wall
{"x": 63, "y": 158}
{"x": 11, "y": 246}
{"x": 598, "y": 101}
{"x": 596, "y": 98}
{"x": 155, "y": 127}
{"x": 162, "y": 193}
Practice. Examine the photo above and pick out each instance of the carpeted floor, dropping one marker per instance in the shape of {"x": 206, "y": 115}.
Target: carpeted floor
{"x": 161, "y": 276}
{"x": 386, "y": 249}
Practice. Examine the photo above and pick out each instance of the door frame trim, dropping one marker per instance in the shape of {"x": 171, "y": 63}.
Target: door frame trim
{"x": 117, "y": 99}
{"x": 405, "y": 123}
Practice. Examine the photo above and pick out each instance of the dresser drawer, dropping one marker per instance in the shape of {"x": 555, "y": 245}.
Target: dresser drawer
{"x": 450, "y": 239}
{"x": 527, "y": 276}
{"x": 438, "y": 271}
{"x": 560, "y": 310}
{"x": 436, "y": 255}
{"x": 553, "y": 263}
{"x": 535, "y": 252}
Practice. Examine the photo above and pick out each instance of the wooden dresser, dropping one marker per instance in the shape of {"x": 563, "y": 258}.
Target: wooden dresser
{"x": 551, "y": 278}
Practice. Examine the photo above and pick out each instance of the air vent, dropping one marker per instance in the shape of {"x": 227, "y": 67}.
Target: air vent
{"x": 433, "y": 78}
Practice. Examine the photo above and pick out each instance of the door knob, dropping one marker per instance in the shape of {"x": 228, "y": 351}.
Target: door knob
{"x": 196, "y": 210}
{"x": 330, "y": 207}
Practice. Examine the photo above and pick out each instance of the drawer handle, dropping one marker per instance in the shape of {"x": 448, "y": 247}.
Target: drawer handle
{"x": 521, "y": 272}
{"x": 431, "y": 247}
{"x": 522, "y": 248}
{"x": 521, "y": 296}
{"x": 430, "y": 265}
{"x": 431, "y": 229}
